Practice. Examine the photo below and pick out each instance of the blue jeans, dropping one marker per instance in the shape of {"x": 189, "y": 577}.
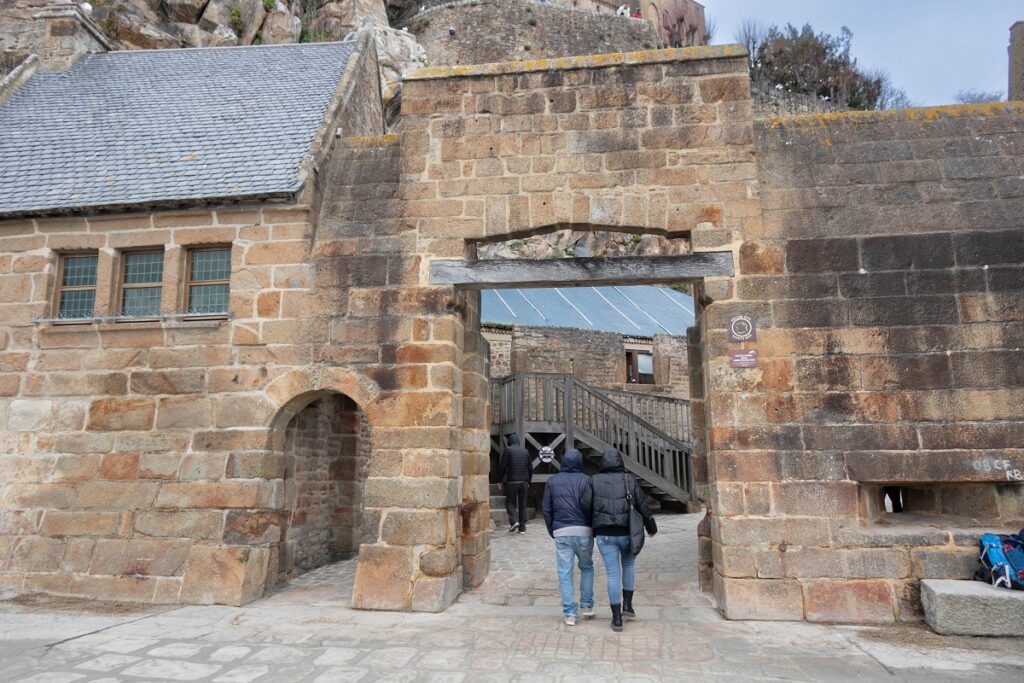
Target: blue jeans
{"x": 582, "y": 548}
{"x": 620, "y": 565}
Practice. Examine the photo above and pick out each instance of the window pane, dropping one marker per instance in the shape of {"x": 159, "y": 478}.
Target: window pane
{"x": 77, "y": 304}
{"x": 208, "y": 299}
{"x": 79, "y": 271}
{"x": 141, "y": 301}
{"x": 211, "y": 264}
{"x": 143, "y": 267}
{"x": 645, "y": 364}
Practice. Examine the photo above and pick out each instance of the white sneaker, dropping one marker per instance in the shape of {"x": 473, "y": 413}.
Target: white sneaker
{"x": 570, "y": 621}
{"x": 587, "y": 612}
{"x": 513, "y": 528}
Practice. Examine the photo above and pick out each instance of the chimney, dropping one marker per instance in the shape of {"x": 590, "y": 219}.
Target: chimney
{"x": 64, "y": 33}
{"x": 1016, "y": 62}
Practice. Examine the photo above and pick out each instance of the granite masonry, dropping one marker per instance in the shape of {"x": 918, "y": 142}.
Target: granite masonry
{"x": 182, "y": 459}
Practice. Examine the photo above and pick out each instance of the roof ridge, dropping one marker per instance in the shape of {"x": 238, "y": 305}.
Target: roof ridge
{"x": 165, "y": 50}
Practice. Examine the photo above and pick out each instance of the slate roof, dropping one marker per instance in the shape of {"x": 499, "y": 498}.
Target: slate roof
{"x": 149, "y": 126}
{"x": 639, "y": 311}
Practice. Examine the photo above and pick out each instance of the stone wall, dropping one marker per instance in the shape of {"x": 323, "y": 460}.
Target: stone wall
{"x": 500, "y": 343}
{"x": 1017, "y": 62}
{"x": 597, "y": 358}
{"x": 58, "y": 31}
{"x": 487, "y": 31}
{"x": 671, "y": 365}
{"x": 887, "y": 283}
{"x": 770, "y": 101}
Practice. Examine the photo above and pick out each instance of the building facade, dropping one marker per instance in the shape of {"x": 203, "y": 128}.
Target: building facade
{"x": 158, "y": 451}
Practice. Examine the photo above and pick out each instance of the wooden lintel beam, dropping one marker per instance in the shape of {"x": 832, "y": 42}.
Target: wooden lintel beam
{"x": 580, "y": 272}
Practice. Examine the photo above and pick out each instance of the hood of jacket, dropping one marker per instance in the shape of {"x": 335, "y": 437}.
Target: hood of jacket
{"x": 572, "y": 461}
{"x": 611, "y": 461}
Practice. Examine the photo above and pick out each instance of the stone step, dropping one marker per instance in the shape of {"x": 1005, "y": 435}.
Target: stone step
{"x": 972, "y": 608}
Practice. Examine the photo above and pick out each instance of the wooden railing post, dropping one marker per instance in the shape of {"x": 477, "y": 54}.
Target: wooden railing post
{"x": 520, "y": 391}
{"x": 570, "y": 413}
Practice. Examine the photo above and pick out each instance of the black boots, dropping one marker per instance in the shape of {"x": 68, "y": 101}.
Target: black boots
{"x": 627, "y": 604}
{"x": 617, "y": 618}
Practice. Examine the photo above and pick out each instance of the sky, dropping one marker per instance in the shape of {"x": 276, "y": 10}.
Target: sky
{"x": 932, "y": 50}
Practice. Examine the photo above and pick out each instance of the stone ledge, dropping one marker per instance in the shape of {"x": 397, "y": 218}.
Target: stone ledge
{"x": 972, "y": 608}
{"x": 917, "y": 115}
{"x": 682, "y": 54}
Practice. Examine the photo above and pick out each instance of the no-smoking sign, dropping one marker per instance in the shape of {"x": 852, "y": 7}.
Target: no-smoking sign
{"x": 742, "y": 328}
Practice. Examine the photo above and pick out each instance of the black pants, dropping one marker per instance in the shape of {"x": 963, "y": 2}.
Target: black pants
{"x": 515, "y": 496}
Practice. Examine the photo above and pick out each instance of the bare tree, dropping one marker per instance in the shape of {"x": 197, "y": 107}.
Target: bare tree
{"x": 710, "y": 29}
{"x": 889, "y": 96}
{"x": 750, "y": 34}
{"x": 977, "y": 96}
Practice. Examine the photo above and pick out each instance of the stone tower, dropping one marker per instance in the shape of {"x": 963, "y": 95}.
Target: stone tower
{"x": 1017, "y": 62}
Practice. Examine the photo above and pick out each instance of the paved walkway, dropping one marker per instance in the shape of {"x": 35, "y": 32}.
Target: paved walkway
{"x": 508, "y": 630}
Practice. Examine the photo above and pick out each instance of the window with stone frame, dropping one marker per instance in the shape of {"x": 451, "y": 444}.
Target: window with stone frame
{"x": 76, "y": 286}
{"x": 208, "y": 280}
{"x": 142, "y": 274}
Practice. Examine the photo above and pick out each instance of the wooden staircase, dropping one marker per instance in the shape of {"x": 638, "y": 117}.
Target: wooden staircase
{"x": 561, "y": 411}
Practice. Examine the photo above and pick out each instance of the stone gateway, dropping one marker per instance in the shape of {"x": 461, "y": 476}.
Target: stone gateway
{"x": 223, "y": 361}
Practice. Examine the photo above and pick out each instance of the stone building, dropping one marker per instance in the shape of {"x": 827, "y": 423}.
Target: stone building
{"x": 1017, "y": 62}
{"x": 618, "y": 339}
{"x": 159, "y": 448}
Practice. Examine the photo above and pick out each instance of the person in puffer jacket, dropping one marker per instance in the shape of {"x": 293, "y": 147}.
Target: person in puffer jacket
{"x": 610, "y": 521}
{"x": 566, "y": 507}
{"x": 516, "y": 472}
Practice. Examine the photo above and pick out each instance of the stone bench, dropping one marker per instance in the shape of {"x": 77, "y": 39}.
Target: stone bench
{"x": 972, "y": 608}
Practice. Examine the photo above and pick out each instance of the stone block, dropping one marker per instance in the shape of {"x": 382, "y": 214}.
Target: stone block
{"x": 435, "y": 594}
{"x": 68, "y": 523}
{"x": 422, "y": 492}
{"x": 972, "y": 608}
{"x": 244, "y": 527}
{"x": 224, "y": 575}
{"x": 139, "y": 557}
{"x": 384, "y": 578}
{"x": 192, "y": 524}
{"x": 440, "y": 561}
{"x": 849, "y": 601}
{"x": 415, "y": 527}
{"x": 759, "y": 599}
{"x": 121, "y": 414}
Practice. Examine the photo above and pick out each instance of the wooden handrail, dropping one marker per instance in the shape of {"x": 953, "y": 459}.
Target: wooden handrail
{"x": 564, "y": 403}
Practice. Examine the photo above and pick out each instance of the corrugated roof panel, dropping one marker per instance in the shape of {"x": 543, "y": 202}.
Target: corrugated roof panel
{"x": 639, "y": 310}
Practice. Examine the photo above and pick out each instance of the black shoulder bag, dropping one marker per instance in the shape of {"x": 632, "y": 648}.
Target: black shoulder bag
{"x": 637, "y": 534}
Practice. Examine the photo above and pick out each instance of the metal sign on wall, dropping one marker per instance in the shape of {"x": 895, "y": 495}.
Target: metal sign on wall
{"x": 742, "y": 328}
{"x": 743, "y": 359}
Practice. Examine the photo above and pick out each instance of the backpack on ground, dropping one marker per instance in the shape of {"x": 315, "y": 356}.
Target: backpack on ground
{"x": 1002, "y": 560}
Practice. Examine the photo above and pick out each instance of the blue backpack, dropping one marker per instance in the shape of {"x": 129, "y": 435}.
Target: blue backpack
{"x": 1002, "y": 560}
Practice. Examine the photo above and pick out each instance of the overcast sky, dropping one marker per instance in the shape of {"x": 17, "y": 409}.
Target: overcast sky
{"x": 932, "y": 49}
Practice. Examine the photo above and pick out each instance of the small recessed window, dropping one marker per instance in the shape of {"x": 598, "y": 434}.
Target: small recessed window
{"x": 77, "y": 293}
{"x": 209, "y": 272}
{"x": 141, "y": 289}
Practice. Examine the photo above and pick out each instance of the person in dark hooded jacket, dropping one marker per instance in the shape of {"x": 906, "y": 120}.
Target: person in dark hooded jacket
{"x": 567, "y": 512}
{"x": 610, "y": 519}
{"x": 516, "y": 470}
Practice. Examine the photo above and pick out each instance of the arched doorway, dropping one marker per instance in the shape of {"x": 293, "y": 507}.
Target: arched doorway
{"x": 326, "y": 448}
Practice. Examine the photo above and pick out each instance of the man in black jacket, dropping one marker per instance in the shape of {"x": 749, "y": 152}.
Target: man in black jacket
{"x": 567, "y": 515}
{"x": 516, "y": 470}
{"x": 612, "y": 491}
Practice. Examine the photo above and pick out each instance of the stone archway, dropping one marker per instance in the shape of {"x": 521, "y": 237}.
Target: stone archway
{"x": 326, "y": 455}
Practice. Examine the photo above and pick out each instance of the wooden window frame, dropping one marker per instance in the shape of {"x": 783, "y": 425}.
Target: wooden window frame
{"x": 59, "y": 289}
{"x": 122, "y": 285}
{"x": 189, "y": 283}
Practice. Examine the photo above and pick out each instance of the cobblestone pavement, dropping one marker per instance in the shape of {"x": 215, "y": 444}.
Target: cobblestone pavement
{"x": 507, "y": 630}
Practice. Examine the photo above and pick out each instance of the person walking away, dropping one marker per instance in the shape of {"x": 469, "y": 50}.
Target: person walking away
{"x": 610, "y": 521}
{"x": 567, "y": 510}
{"x": 516, "y": 471}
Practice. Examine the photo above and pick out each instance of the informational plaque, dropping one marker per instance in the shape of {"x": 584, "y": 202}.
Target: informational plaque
{"x": 742, "y": 328}
{"x": 743, "y": 359}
